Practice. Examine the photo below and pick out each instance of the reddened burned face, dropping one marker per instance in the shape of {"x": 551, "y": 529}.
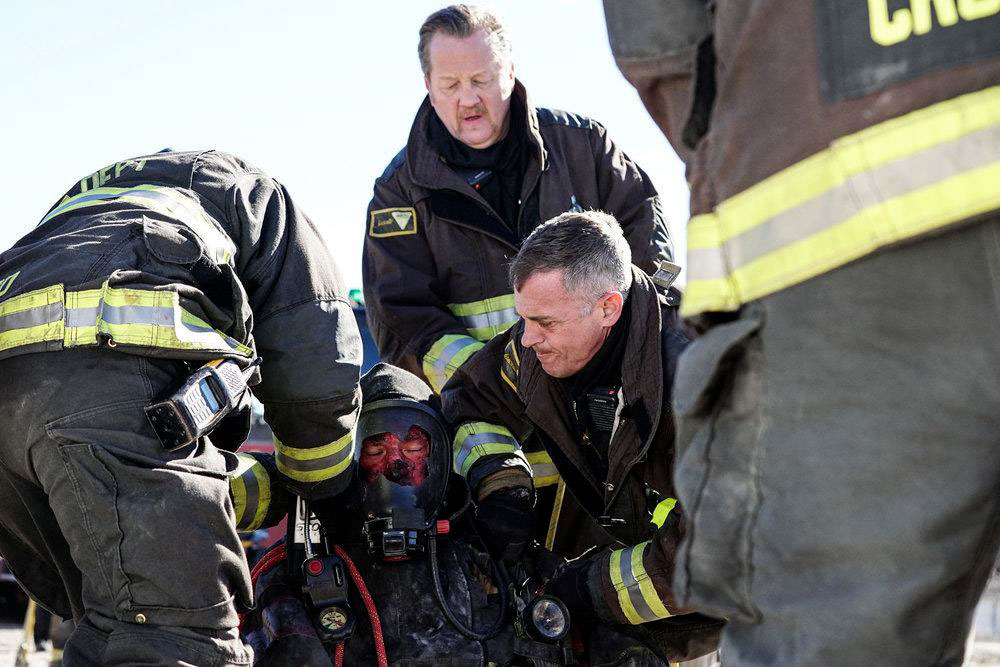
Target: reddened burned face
{"x": 402, "y": 460}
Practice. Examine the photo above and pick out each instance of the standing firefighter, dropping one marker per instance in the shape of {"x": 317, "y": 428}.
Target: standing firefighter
{"x": 141, "y": 273}
{"x": 587, "y": 372}
{"x": 482, "y": 167}
{"x": 838, "y": 450}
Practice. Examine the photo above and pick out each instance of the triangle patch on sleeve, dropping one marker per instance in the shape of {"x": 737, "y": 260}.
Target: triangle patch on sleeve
{"x": 393, "y": 222}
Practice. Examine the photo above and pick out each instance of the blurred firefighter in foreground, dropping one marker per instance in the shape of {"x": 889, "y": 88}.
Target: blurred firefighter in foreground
{"x": 838, "y": 419}
{"x": 114, "y": 506}
{"x": 427, "y": 591}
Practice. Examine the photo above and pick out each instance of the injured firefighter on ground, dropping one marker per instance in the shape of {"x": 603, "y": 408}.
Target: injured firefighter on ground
{"x": 395, "y": 571}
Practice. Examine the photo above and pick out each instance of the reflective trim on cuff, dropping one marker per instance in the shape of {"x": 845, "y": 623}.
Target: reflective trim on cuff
{"x": 637, "y": 597}
{"x": 314, "y": 464}
{"x": 251, "y": 489}
{"x": 473, "y": 440}
{"x": 445, "y": 356}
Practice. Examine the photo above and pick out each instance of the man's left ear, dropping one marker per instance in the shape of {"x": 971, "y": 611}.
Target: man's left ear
{"x": 611, "y": 308}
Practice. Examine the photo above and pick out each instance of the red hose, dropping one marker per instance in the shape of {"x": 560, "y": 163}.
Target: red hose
{"x": 339, "y": 659}
{"x": 266, "y": 562}
{"x": 383, "y": 661}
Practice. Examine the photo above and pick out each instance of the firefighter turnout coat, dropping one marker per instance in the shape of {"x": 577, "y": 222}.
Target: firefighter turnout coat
{"x": 502, "y": 397}
{"x": 436, "y": 254}
{"x": 197, "y": 256}
{"x": 866, "y": 125}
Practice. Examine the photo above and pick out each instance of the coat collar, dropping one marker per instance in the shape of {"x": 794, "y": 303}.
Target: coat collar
{"x": 642, "y": 388}
{"x": 427, "y": 168}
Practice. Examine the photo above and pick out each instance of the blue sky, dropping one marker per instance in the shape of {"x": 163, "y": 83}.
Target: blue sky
{"x": 318, "y": 94}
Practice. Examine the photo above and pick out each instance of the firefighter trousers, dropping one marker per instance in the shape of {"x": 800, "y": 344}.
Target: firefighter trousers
{"x": 97, "y": 520}
{"x": 839, "y": 460}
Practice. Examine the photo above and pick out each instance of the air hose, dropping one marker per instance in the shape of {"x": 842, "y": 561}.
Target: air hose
{"x": 497, "y": 626}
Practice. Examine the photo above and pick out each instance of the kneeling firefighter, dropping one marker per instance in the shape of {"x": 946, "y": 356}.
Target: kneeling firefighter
{"x": 402, "y": 577}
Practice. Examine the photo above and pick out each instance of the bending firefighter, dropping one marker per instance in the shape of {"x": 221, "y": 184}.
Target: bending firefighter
{"x": 114, "y": 506}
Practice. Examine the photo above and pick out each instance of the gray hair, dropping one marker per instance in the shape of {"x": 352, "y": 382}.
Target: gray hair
{"x": 464, "y": 21}
{"x": 587, "y": 246}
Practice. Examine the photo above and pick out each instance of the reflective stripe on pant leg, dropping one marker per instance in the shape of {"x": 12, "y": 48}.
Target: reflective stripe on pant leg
{"x": 445, "y": 356}
{"x": 314, "y": 464}
{"x": 474, "y": 440}
{"x": 637, "y": 597}
{"x": 251, "y": 490}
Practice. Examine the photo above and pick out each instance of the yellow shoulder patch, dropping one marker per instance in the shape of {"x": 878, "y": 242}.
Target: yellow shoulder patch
{"x": 393, "y": 222}
{"x": 510, "y": 367}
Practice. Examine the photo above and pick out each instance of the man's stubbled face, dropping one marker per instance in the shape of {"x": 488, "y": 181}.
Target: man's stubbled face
{"x": 403, "y": 461}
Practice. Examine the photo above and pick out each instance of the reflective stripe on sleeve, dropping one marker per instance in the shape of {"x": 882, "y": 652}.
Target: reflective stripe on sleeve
{"x": 147, "y": 318}
{"x": 162, "y": 199}
{"x": 487, "y": 318}
{"x": 543, "y": 470}
{"x": 473, "y": 440}
{"x": 896, "y": 180}
{"x": 637, "y": 597}
{"x": 314, "y": 464}
{"x": 445, "y": 357}
{"x": 251, "y": 489}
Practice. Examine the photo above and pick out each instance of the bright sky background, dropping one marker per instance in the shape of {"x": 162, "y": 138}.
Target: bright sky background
{"x": 320, "y": 95}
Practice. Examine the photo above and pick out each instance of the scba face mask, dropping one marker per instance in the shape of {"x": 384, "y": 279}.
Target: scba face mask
{"x": 402, "y": 475}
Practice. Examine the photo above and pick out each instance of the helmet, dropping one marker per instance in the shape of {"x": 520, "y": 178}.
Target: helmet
{"x": 403, "y": 461}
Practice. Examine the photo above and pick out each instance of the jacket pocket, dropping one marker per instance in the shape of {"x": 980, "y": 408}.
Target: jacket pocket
{"x": 170, "y": 242}
{"x": 718, "y": 398}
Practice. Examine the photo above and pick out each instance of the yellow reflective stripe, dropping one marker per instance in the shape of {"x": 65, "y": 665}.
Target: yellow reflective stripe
{"x": 662, "y": 511}
{"x": 473, "y": 440}
{"x": 32, "y": 317}
{"x": 314, "y": 464}
{"x": 251, "y": 489}
{"x": 486, "y": 318}
{"x": 445, "y": 356}
{"x": 510, "y": 366}
{"x": 636, "y": 594}
{"x": 649, "y": 594}
{"x": 624, "y": 601}
{"x": 163, "y": 199}
{"x": 550, "y": 536}
{"x": 896, "y": 180}
{"x": 543, "y": 470}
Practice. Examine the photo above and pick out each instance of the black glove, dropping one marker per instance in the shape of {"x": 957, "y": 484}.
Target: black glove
{"x": 570, "y": 585}
{"x": 505, "y": 521}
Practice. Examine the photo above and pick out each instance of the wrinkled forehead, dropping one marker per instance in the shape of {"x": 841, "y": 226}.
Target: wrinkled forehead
{"x": 453, "y": 56}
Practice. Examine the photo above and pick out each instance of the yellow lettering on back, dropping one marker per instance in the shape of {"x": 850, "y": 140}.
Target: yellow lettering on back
{"x": 970, "y": 10}
{"x": 921, "y": 9}
{"x": 888, "y": 31}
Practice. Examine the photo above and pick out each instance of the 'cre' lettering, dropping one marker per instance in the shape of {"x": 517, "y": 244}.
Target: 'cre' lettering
{"x": 916, "y": 20}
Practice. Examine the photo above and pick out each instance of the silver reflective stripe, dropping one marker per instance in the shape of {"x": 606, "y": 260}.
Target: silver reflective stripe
{"x": 82, "y": 317}
{"x": 140, "y": 315}
{"x": 448, "y": 353}
{"x": 543, "y": 469}
{"x": 838, "y": 204}
{"x": 475, "y": 439}
{"x": 632, "y": 586}
{"x": 32, "y": 317}
{"x": 494, "y": 318}
{"x": 314, "y": 465}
